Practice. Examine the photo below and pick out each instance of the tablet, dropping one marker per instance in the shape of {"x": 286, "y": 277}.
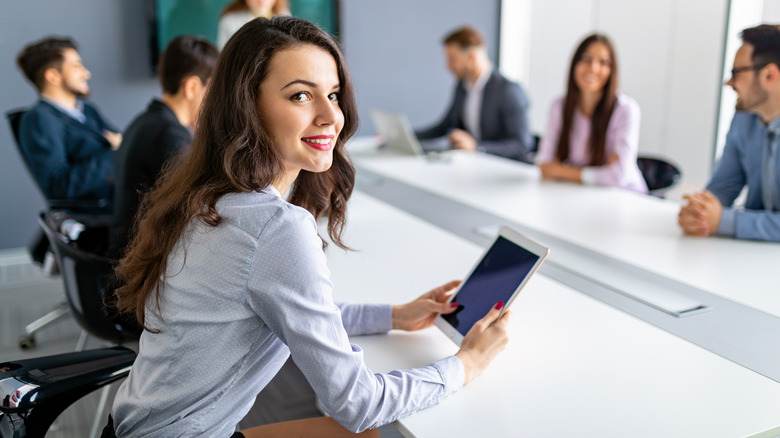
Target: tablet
{"x": 503, "y": 270}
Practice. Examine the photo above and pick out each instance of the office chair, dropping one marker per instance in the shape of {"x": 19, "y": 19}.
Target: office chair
{"x": 88, "y": 278}
{"x": 89, "y": 285}
{"x": 34, "y": 392}
{"x": 39, "y": 245}
{"x": 531, "y": 155}
{"x": 659, "y": 174}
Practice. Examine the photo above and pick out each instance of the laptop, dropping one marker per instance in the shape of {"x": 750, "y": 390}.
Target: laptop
{"x": 399, "y": 136}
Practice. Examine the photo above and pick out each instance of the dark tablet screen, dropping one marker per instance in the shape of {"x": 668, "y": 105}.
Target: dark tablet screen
{"x": 495, "y": 279}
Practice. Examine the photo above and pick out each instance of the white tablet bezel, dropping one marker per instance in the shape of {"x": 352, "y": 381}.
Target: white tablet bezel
{"x": 518, "y": 239}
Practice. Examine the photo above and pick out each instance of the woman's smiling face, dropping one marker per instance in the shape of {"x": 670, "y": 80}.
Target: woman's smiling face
{"x": 299, "y": 103}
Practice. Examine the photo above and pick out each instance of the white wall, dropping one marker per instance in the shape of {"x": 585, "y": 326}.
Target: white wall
{"x": 670, "y": 55}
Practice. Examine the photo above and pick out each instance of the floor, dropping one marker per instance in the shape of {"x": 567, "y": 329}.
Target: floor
{"x": 25, "y": 294}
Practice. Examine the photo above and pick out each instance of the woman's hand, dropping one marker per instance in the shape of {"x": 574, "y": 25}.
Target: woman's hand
{"x": 420, "y": 313}
{"x": 484, "y": 341}
{"x": 559, "y": 171}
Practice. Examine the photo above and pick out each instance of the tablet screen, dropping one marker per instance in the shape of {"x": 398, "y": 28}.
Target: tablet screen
{"x": 495, "y": 279}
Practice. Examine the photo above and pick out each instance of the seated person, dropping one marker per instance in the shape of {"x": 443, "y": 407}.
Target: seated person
{"x": 229, "y": 278}
{"x": 66, "y": 143}
{"x": 162, "y": 130}
{"x": 751, "y": 157}
{"x": 489, "y": 113}
{"x": 238, "y": 12}
{"x": 593, "y": 132}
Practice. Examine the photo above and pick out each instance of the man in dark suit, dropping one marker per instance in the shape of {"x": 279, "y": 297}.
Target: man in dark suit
{"x": 66, "y": 143}
{"x": 489, "y": 113}
{"x": 162, "y": 131}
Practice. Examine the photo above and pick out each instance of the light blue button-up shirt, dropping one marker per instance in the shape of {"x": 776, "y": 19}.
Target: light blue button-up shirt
{"x": 750, "y": 159}
{"x": 251, "y": 292}
{"x": 75, "y": 113}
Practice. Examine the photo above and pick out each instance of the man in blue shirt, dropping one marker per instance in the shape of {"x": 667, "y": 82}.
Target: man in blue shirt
{"x": 65, "y": 142}
{"x": 751, "y": 156}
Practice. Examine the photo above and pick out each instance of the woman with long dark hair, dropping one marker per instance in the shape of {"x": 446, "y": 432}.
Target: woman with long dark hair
{"x": 229, "y": 279}
{"x": 593, "y": 132}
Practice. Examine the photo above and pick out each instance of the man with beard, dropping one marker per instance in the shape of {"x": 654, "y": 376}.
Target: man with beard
{"x": 751, "y": 157}
{"x": 68, "y": 146}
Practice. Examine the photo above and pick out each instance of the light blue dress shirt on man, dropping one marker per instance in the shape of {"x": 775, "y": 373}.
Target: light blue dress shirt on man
{"x": 750, "y": 159}
{"x": 250, "y": 292}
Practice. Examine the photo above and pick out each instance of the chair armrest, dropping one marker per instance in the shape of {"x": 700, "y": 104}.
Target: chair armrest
{"x": 25, "y": 384}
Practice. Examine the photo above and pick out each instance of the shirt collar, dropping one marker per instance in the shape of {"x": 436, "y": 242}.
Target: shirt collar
{"x": 272, "y": 190}
{"x": 774, "y": 126}
{"x": 76, "y": 113}
{"x": 481, "y": 80}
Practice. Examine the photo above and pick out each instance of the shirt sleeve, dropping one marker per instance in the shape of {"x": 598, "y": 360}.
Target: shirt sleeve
{"x": 729, "y": 177}
{"x": 549, "y": 141}
{"x": 757, "y": 225}
{"x": 290, "y": 290}
{"x": 622, "y": 140}
{"x": 366, "y": 319}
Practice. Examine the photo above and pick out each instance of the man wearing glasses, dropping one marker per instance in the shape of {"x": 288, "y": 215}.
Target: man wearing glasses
{"x": 751, "y": 156}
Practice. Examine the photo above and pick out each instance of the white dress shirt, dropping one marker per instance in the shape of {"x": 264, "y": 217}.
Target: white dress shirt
{"x": 472, "y": 108}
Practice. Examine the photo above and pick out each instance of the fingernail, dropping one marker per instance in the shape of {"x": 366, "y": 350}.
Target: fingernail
{"x": 454, "y": 304}
{"x": 499, "y": 305}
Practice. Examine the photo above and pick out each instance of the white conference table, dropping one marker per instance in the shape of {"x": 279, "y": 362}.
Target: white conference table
{"x": 574, "y": 366}
{"x": 638, "y": 230}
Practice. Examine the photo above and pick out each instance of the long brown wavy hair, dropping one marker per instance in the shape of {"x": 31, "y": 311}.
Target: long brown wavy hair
{"x": 233, "y": 152}
{"x": 601, "y": 115}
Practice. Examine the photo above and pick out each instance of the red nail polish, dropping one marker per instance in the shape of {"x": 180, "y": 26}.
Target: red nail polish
{"x": 499, "y": 305}
{"x": 454, "y": 304}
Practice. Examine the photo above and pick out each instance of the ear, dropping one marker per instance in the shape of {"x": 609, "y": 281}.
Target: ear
{"x": 191, "y": 86}
{"x": 771, "y": 75}
{"x": 52, "y": 76}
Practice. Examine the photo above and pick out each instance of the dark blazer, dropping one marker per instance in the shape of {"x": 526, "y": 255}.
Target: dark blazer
{"x": 504, "y": 119}
{"x": 68, "y": 159}
{"x": 152, "y": 138}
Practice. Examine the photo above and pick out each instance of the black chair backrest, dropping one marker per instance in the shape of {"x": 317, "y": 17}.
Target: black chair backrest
{"x": 89, "y": 283}
{"x": 15, "y": 119}
{"x": 660, "y": 175}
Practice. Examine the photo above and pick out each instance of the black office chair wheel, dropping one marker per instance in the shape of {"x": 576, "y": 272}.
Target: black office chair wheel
{"x": 26, "y": 343}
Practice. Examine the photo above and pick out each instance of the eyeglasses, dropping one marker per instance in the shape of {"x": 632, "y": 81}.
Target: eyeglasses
{"x": 737, "y": 70}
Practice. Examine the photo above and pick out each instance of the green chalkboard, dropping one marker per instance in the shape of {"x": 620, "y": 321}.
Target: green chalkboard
{"x": 200, "y": 17}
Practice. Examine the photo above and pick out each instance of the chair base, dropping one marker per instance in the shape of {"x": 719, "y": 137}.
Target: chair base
{"x": 27, "y": 341}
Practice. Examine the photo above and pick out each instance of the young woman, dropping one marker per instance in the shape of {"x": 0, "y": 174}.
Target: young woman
{"x": 239, "y": 12}
{"x": 229, "y": 279}
{"x": 593, "y": 132}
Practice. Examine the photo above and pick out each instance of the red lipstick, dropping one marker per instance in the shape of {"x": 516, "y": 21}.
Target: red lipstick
{"x": 319, "y": 144}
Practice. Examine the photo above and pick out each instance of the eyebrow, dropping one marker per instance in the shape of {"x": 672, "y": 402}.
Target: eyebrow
{"x": 307, "y": 83}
